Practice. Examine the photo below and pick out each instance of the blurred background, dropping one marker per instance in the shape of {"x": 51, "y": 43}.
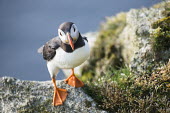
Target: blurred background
{"x": 25, "y": 25}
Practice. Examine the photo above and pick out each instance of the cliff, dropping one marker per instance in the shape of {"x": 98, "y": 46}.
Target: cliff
{"x": 138, "y": 39}
{"x": 128, "y": 70}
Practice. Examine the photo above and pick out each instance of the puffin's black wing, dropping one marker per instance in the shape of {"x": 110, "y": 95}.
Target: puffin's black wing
{"x": 49, "y": 49}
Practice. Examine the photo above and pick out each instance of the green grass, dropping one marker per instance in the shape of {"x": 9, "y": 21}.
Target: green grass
{"x": 123, "y": 92}
{"x": 118, "y": 76}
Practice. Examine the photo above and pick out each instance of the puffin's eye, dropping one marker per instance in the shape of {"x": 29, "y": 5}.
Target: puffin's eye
{"x": 74, "y": 29}
{"x": 60, "y": 34}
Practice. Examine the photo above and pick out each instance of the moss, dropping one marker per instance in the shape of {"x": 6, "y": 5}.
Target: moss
{"x": 35, "y": 108}
{"x": 129, "y": 93}
{"x": 163, "y": 23}
{"x": 87, "y": 103}
{"x": 161, "y": 35}
{"x": 105, "y": 53}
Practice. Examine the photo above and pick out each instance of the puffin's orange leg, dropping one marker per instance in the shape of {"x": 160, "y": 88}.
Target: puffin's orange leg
{"x": 59, "y": 94}
{"x": 72, "y": 80}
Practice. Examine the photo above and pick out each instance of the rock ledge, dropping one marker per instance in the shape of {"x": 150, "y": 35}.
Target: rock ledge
{"x": 35, "y": 96}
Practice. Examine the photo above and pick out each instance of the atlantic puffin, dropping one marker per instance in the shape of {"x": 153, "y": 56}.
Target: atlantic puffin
{"x": 66, "y": 51}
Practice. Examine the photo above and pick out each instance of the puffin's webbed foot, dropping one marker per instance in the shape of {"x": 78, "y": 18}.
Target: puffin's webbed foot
{"x": 72, "y": 80}
{"x": 59, "y": 96}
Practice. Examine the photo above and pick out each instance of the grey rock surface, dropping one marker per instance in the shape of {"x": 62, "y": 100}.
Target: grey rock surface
{"x": 18, "y": 96}
{"x": 135, "y": 39}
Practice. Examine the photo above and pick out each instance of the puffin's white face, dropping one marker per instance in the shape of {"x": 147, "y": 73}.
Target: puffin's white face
{"x": 74, "y": 34}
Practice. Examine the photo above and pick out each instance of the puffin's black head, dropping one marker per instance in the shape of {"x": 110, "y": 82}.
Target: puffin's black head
{"x": 68, "y": 33}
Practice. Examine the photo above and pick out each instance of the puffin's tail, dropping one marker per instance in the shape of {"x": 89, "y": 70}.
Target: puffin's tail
{"x": 40, "y": 50}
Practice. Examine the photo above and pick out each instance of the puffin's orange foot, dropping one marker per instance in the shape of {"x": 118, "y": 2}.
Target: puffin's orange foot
{"x": 59, "y": 96}
{"x": 74, "y": 81}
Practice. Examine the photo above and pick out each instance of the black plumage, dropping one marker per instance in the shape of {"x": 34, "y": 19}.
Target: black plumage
{"x": 49, "y": 49}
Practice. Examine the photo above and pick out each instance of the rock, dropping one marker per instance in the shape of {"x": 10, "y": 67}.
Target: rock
{"x": 18, "y": 96}
{"x": 136, "y": 40}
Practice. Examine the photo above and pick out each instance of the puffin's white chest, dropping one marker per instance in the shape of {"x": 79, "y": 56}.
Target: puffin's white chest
{"x": 66, "y": 60}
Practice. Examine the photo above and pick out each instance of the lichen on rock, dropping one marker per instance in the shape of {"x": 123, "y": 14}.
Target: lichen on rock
{"x": 136, "y": 40}
{"x": 18, "y": 96}
{"x": 131, "y": 39}
{"x": 153, "y": 49}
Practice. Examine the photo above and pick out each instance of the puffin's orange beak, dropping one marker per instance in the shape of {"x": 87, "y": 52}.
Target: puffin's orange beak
{"x": 70, "y": 41}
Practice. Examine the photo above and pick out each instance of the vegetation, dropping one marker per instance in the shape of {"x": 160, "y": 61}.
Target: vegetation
{"x": 124, "y": 92}
{"x": 161, "y": 34}
{"x": 105, "y": 54}
{"x": 113, "y": 86}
